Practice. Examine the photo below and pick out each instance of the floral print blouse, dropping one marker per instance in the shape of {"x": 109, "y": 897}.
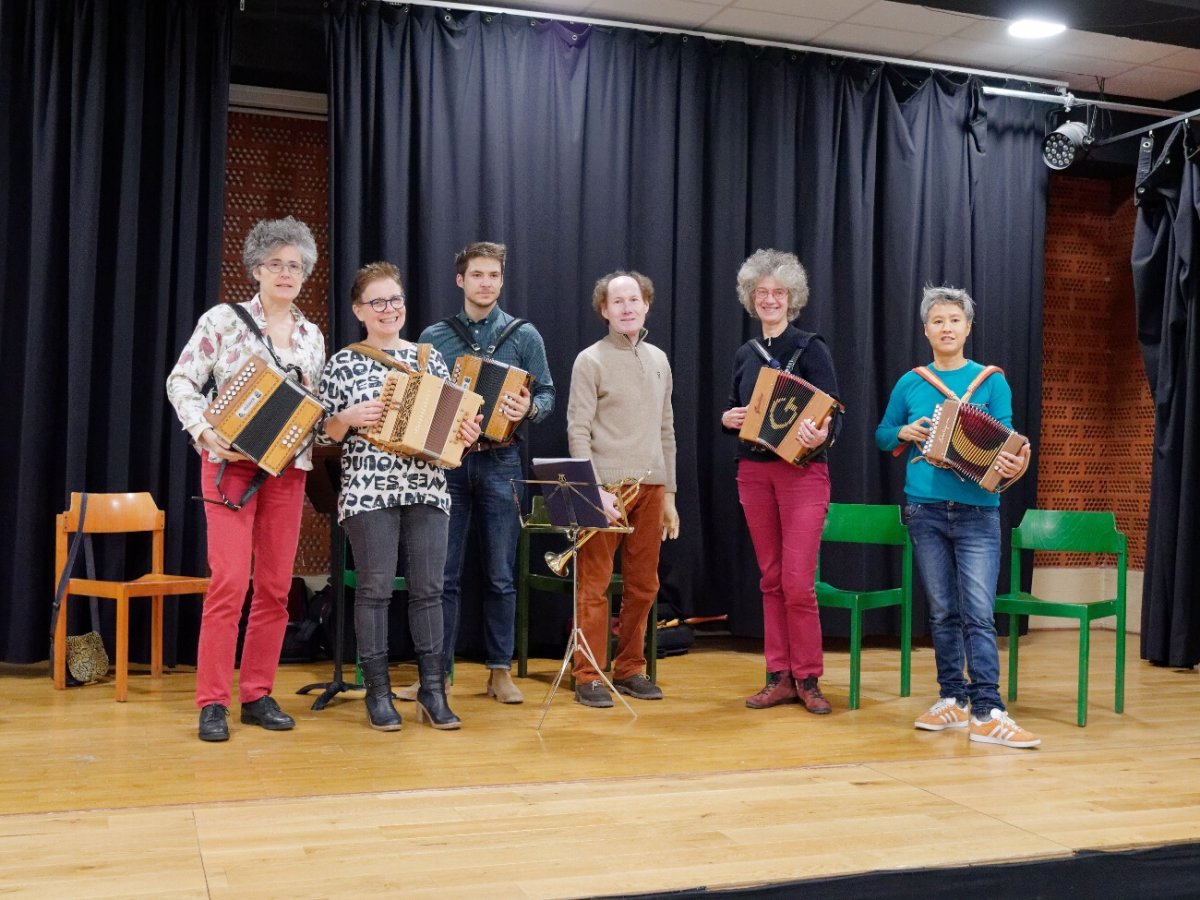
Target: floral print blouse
{"x": 220, "y": 345}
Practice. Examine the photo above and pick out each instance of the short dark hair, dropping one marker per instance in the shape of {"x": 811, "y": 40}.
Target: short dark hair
{"x": 480, "y": 249}
{"x": 370, "y": 273}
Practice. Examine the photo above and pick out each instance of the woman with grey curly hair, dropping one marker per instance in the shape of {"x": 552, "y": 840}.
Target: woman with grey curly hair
{"x": 279, "y": 254}
{"x": 784, "y": 504}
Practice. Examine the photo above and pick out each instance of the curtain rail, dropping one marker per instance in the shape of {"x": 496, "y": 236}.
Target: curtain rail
{"x": 714, "y": 36}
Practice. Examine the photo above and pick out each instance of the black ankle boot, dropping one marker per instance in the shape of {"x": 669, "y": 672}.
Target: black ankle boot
{"x": 380, "y": 712}
{"x": 431, "y": 698}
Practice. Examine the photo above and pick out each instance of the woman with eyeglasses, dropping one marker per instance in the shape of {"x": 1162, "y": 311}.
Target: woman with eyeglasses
{"x": 390, "y": 502}
{"x": 279, "y": 254}
{"x": 785, "y": 505}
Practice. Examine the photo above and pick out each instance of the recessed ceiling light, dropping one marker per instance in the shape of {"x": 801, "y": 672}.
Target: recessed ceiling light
{"x": 1035, "y": 28}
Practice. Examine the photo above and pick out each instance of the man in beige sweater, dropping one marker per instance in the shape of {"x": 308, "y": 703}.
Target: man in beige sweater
{"x": 619, "y": 415}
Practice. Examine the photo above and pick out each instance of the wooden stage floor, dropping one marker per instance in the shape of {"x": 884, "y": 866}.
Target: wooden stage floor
{"x": 102, "y": 799}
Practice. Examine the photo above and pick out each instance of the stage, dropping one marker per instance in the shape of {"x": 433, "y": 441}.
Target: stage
{"x": 118, "y": 800}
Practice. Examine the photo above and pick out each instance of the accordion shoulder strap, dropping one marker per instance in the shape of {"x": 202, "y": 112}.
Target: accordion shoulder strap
{"x": 391, "y": 362}
{"x": 248, "y": 321}
{"x": 460, "y": 329}
{"x": 986, "y": 373}
{"x": 771, "y": 361}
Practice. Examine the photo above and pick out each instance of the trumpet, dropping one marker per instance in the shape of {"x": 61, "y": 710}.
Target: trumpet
{"x": 626, "y": 490}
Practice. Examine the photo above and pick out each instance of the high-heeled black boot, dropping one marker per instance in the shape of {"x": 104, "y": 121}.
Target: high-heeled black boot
{"x": 380, "y": 712}
{"x": 431, "y": 698}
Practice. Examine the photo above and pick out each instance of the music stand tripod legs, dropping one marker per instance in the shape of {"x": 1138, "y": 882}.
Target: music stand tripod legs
{"x": 330, "y": 689}
{"x": 577, "y": 642}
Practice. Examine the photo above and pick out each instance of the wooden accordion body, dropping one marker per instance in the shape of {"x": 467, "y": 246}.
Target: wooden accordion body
{"x": 422, "y": 416}
{"x": 966, "y": 439}
{"x": 266, "y": 416}
{"x": 779, "y": 403}
{"x": 491, "y": 380}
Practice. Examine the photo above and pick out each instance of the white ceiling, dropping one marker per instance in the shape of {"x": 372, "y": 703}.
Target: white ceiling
{"x": 1130, "y": 68}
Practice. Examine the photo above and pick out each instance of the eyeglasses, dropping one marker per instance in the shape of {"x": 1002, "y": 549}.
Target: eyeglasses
{"x": 381, "y": 305}
{"x": 764, "y": 293}
{"x": 275, "y": 266}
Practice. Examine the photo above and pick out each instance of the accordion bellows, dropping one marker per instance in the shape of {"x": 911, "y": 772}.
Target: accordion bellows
{"x": 491, "y": 380}
{"x": 266, "y": 416}
{"x": 422, "y": 416}
{"x": 966, "y": 439}
{"x": 779, "y": 403}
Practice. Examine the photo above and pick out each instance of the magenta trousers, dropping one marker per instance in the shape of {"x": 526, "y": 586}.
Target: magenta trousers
{"x": 785, "y": 509}
{"x": 267, "y": 530}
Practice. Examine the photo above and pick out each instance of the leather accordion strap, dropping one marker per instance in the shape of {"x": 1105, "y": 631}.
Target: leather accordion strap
{"x": 772, "y": 361}
{"x": 928, "y": 374}
{"x": 367, "y": 350}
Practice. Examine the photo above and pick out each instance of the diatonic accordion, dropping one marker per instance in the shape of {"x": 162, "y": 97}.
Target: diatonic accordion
{"x": 779, "y": 403}
{"x": 421, "y": 418}
{"x": 491, "y": 380}
{"x": 264, "y": 415}
{"x": 966, "y": 439}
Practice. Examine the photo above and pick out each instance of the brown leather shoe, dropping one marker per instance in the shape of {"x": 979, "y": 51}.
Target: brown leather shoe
{"x": 812, "y": 698}
{"x": 780, "y": 688}
{"x": 500, "y": 685}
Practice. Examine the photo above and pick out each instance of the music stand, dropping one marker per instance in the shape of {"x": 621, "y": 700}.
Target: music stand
{"x": 322, "y": 487}
{"x": 571, "y": 511}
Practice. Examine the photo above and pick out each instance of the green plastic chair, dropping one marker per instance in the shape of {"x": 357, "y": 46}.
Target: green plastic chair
{"x": 1067, "y": 532}
{"x": 538, "y": 577}
{"x": 855, "y": 523}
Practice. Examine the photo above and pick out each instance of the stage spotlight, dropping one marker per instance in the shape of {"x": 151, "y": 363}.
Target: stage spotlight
{"x": 1068, "y": 142}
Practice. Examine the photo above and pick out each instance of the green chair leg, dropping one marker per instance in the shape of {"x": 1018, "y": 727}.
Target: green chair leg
{"x": 906, "y": 650}
{"x": 1085, "y": 644}
{"x": 1119, "y": 679}
{"x": 1014, "y": 647}
{"x": 523, "y": 606}
{"x": 855, "y": 655}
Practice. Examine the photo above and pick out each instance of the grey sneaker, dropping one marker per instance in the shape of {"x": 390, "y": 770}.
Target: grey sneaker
{"x": 594, "y": 693}
{"x": 638, "y": 686}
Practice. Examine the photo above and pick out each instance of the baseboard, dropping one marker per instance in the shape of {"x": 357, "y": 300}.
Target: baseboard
{"x": 1093, "y": 583}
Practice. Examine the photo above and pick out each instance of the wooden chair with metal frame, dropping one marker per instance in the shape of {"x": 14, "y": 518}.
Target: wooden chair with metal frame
{"x": 118, "y": 514}
{"x": 1067, "y": 532}
{"x": 856, "y": 523}
{"x": 531, "y": 579}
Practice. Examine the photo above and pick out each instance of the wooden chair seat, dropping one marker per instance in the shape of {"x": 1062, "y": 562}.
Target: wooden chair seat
{"x": 118, "y": 514}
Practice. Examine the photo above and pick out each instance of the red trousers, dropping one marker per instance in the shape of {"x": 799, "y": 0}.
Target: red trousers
{"x": 267, "y": 531}
{"x": 639, "y": 569}
{"x": 785, "y": 508}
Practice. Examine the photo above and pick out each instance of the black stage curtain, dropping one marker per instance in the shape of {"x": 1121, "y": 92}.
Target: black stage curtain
{"x": 588, "y": 148}
{"x": 1166, "y": 276}
{"x": 110, "y": 238}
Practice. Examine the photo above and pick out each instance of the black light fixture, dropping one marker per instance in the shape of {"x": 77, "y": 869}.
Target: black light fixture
{"x": 1066, "y": 144}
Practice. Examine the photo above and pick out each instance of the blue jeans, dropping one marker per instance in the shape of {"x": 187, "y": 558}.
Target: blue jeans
{"x": 481, "y": 492}
{"x": 376, "y": 536}
{"x": 957, "y": 550}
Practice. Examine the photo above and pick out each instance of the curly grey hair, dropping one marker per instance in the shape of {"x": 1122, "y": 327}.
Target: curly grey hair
{"x": 268, "y": 235}
{"x": 935, "y": 294}
{"x": 786, "y": 269}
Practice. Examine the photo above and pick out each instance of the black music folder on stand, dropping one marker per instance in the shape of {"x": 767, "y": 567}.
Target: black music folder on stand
{"x": 574, "y": 504}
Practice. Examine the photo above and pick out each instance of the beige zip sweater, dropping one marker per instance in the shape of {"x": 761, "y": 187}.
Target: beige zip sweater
{"x": 619, "y": 413}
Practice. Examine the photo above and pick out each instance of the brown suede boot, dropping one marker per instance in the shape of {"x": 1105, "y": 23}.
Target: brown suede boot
{"x": 500, "y": 685}
{"x": 780, "y": 688}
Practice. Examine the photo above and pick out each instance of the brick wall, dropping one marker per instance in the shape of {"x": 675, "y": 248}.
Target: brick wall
{"x": 1097, "y": 416}
{"x": 278, "y": 166}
